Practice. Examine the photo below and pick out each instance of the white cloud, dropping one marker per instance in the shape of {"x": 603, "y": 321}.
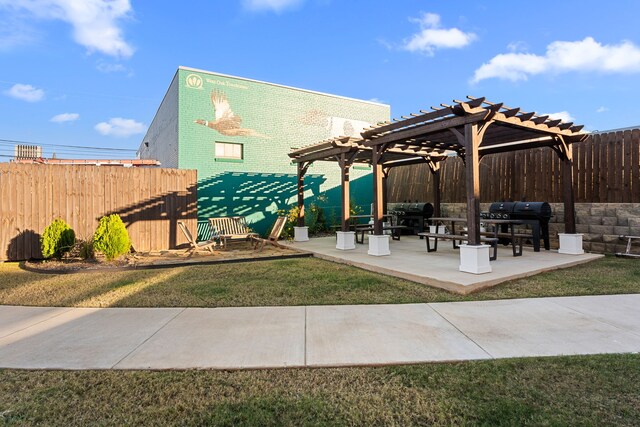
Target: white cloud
{"x": 518, "y": 46}
{"x": 65, "y": 117}
{"x": 602, "y": 109}
{"x": 14, "y": 32}
{"x": 274, "y": 5}
{"x": 96, "y": 23}
{"x": 562, "y": 57}
{"x": 25, "y": 93}
{"x": 120, "y": 127}
{"x": 562, "y": 115}
{"x": 431, "y": 36}
{"x": 104, "y": 67}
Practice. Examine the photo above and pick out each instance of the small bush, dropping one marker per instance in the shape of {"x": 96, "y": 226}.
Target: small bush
{"x": 111, "y": 237}
{"x": 85, "y": 249}
{"x": 292, "y": 220}
{"x": 57, "y": 239}
{"x": 82, "y": 249}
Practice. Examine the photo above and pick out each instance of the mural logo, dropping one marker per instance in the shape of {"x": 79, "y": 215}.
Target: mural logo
{"x": 194, "y": 81}
{"x": 335, "y": 126}
{"x": 226, "y": 122}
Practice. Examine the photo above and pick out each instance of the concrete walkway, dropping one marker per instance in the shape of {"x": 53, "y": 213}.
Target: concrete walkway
{"x": 264, "y": 337}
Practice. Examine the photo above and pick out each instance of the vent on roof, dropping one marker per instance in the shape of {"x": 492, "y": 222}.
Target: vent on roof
{"x": 27, "y": 152}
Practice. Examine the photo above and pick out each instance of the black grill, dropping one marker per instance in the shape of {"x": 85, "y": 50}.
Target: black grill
{"x": 536, "y": 214}
{"x": 411, "y": 215}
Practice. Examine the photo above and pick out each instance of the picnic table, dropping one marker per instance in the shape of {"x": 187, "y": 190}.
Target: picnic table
{"x": 491, "y": 237}
{"x": 396, "y": 231}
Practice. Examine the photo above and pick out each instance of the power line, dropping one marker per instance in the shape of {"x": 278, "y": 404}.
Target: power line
{"x": 11, "y": 141}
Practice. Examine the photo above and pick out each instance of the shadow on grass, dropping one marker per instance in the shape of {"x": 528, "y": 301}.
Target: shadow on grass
{"x": 66, "y": 290}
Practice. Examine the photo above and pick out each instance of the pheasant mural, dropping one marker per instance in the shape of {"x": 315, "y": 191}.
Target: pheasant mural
{"x": 226, "y": 122}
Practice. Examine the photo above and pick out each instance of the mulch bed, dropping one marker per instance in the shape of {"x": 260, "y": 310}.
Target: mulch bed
{"x": 162, "y": 259}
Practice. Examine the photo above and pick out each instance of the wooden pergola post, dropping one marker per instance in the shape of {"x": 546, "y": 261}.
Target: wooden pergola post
{"x": 385, "y": 195}
{"x": 302, "y": 170}
{"x": 376, "y": 154}
{"x": 472, "y": 159}
{"x": 567, "y": 191}
{"x": 434, "y": 167}
{"x": 345, "y": 167}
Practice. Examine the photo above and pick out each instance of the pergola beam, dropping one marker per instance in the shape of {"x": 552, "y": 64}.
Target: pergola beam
{"x": 424, "y": 129}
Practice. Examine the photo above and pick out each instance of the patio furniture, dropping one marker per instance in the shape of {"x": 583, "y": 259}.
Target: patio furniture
{"x": 231, "y": 228}
{"x": 193, "y": 245}
{"x": 492, "y": 241}
{"x": 412, "y": 215}
{"x": 276, "y": 231}
{"x": 396, "y": 231}
{"x": 515, "y": 239}
{"x": 628, "y": 253}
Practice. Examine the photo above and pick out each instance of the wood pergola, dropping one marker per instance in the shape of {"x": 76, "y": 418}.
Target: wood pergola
{"x": 469, "y": 129}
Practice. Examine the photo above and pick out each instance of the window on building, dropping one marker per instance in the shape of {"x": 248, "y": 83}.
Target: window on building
{"x": 227, "y": 150}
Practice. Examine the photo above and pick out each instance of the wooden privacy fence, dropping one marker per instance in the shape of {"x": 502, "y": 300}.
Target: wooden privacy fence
{"x": 606, "y": 169}
{"x": 150, "y": 201}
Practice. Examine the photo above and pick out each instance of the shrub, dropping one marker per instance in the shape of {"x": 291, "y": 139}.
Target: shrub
{"x": 86, "y": 249}
{"x": 57, "y": 239}
{"x": 111, "y": 237}
{"x": 292, "y": 220}
{"x": 315, "y": 219}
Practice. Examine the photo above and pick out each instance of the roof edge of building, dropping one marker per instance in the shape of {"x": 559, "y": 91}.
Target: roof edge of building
{"x": 181, "y": 67}
{"x": 616, "y": 129}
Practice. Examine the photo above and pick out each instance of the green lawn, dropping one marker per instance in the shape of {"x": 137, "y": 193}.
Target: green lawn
{"x": 585, "y": 390}
{"x": 595, "y": 390}
{"x": 306, "y": 281}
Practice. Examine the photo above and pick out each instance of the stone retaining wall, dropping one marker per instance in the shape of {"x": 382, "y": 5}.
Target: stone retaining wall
{"x": 600, "y": 223}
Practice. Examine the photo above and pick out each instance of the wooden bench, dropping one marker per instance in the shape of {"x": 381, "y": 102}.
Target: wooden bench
{"x": 229, "y": 228}
{"x": 493, "y": 241}
{"x": 396, "y": 231}
{"x": 515, "y": 239}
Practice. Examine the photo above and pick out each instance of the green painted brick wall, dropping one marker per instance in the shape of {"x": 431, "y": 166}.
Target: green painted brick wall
{"x": 273, "y": 120}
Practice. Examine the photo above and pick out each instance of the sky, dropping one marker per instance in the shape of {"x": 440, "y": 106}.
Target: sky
{"x": 92, "y": 73}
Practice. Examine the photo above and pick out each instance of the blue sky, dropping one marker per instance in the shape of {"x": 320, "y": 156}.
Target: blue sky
{"x": 93, "y": 72}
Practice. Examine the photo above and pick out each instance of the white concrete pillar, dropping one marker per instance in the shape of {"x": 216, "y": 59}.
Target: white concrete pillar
{"x": 345, "y": 240}
{"x": 379, "y": 245}
{"x": 474, "y": 259}
{"x": 301, "y": 234}
{"x": 570, "y": 244}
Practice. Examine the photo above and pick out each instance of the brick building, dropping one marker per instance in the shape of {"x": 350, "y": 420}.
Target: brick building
{"x": 236, "y": 133}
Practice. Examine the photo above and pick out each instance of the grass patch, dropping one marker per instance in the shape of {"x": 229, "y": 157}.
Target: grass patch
{"x": 305, "y": 281}
{"x": 582, "y": 390}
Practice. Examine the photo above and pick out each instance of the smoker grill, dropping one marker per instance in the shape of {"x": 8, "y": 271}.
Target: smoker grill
{"x": 411, "y": 215}
{"x": 535, "y": 214}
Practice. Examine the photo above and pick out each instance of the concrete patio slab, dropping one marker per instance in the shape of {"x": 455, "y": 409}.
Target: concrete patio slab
{"x": 14, "y": 318}
{"x": 409, "y": 260}
{"x": 383, "y": 334}
{"x": 82, "y": 338}
{"x": 536, "y": 327}
{"x": 225, "y": 338}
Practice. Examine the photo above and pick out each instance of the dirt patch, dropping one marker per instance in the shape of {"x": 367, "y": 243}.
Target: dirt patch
{"x": 160, "y": 259}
